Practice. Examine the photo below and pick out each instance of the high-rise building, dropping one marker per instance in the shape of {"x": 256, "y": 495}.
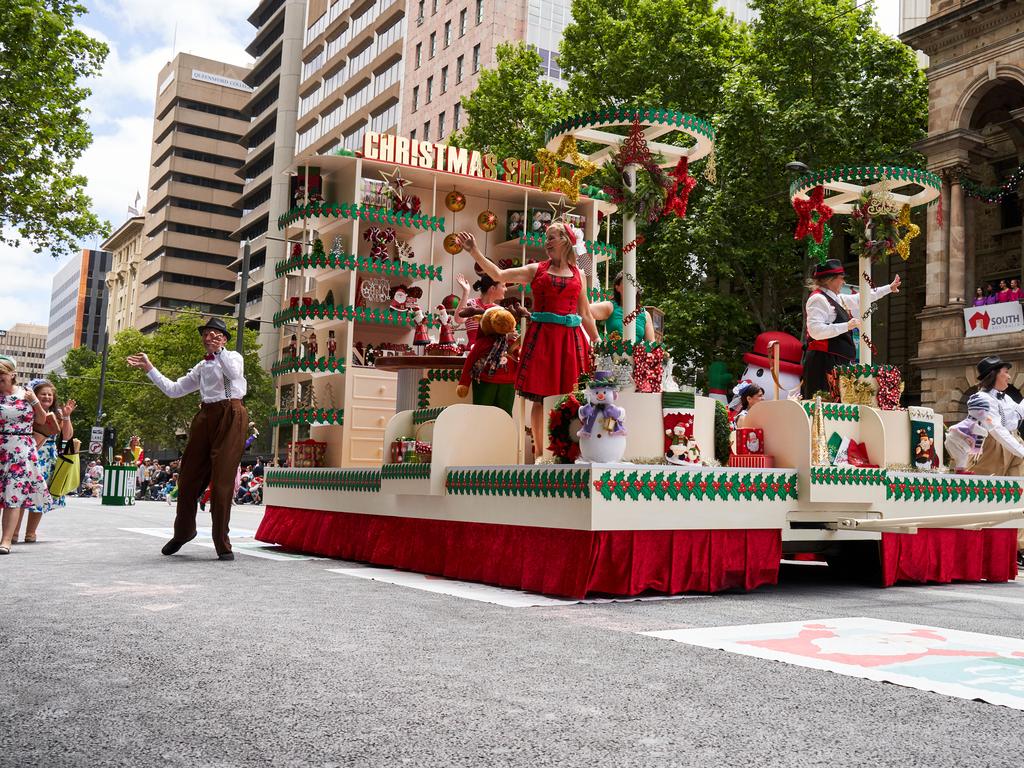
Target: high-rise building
{"x": 269, "y": 142}
{"x": 26, "y": 344}
{"x": 125, "y": 247}
{"x": 193, "y": 189}
{"x": 352, "y": 70}
{"x": 77, "y": 300}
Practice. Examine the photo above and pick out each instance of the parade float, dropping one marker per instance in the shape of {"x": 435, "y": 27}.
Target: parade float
{"x": 402, "y": 472}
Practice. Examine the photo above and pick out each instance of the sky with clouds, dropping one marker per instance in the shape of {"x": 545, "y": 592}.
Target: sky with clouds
{"x": 143, "y": 35}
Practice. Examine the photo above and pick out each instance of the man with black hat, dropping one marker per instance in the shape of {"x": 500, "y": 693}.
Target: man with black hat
{"x": 216, "y": 438}
{"x": 831, "y": 317}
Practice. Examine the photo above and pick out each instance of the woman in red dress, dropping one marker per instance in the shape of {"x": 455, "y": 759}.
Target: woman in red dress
{"x": 554, "y": 351}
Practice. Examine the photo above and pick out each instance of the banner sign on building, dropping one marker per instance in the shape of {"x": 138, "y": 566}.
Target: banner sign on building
{"x": 227, "y": 82}
{"x": 992, "y": 319}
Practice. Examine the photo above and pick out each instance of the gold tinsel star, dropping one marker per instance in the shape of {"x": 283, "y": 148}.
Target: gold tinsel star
{"x": 906, "y": 231}
{"x": 551, "y": 181}
{"x": 559, "y": 210}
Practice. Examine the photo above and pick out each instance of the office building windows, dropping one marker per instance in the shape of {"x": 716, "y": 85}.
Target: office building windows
{"x": 456, "y": 117}
{"x": 419, "y": 54}
{"x": 440, "y": 126}
{"x": 433, "y": 44}
{"x": 444, "y": 79}
{"x": 430, "y": 90}
{"x": 476, "y": 57}
{"x": 458, "y": 68}
{"x": 447, "y": 34}
{"x": 415, "y": 98}
{"x": 479, "y": 11}
{"x": 426, "y": 131}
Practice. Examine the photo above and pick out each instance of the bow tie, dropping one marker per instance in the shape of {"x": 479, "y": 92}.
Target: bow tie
{"x": 209, "y": 357}
{"x": 1000, "y": 395}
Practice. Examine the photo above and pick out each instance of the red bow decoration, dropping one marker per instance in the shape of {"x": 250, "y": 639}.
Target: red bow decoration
{"x": 679, "y": 195}
{"x": 208, "y": 357}
{"x": 812, "y": 214}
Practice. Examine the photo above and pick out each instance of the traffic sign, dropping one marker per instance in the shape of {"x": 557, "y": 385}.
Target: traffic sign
{"x": 96, "y": 448}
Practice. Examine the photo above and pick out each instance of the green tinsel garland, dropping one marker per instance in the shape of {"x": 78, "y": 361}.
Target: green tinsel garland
{"x": 722, "y": 433}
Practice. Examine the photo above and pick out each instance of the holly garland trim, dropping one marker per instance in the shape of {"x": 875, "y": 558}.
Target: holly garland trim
{"x": 405, "y": 471}
{"x": 627, "y": 114}
{"x": 308, "y": 416}
{"x": 625, "y": 348}
{"x": 302, "y": 364}
{"x": 860, "y": 174}
{"x": 596, "y": 295}
{"x": 371, "y": 213}
{"x": 336, "y": 312}
{"x": 594, "y": 247}
{"x": 434, "y": 374}
{"x": 358, "y": 263}
{"x": 848, "y": 476}
{"x": 835, "y": 411}
{"x": 862, "y": 369}
{"x": 697, "y": 486}
{"x": 423, "y": 415}
{"x": 537, "y": 482}
{"x": 358, "y": 480}
{"x": 926, "y": 487}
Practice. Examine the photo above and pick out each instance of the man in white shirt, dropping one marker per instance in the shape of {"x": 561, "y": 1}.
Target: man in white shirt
{"x": 216, "y": 438}
{"x": 830, "y": 318}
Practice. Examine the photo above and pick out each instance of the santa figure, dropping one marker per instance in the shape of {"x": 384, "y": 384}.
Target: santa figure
{"x": 447, "y": 331}
{"x": 759, "y": 364}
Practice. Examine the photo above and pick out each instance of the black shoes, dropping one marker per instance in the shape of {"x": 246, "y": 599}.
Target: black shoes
{"x": 226, "y": 556}
{"x": 174, "y": 545}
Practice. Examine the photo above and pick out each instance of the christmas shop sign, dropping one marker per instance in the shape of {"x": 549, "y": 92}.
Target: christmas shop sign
{"x": 401, "y": 150}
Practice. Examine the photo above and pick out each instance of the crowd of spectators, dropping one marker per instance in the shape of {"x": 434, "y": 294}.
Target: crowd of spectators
{"x": 1008, "y": 291}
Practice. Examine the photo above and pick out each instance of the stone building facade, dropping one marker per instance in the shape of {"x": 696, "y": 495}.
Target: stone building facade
{"x": 975, "y": 137}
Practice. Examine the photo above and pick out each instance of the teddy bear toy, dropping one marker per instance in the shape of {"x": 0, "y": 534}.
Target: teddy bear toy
{"x": 492, "y": 363}
{"x": 603, "y": 434}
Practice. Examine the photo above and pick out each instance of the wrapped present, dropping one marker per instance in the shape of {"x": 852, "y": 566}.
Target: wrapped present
{"x": 752, "y": 461}
{"x": 424, "y": 450}
{"x": 749, "y": 442}
{"x": 308, "y": 453}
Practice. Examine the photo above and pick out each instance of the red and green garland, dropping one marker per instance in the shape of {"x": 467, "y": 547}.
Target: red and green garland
{"x": 563, "y": 444}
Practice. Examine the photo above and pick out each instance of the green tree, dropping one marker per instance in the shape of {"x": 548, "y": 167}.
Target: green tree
{"x": 43, "y": 129}
{"x": 134, "y": 405}
{"x": 511, "y": 106}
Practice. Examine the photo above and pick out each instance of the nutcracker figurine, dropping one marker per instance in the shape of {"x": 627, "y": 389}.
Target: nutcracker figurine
{"x": 292, "y": 350}
{"x": 332, "y": 346}
{"x": 312, "y": 348}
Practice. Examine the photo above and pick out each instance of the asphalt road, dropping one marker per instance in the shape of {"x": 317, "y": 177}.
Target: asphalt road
{"x": 116, "y": 655}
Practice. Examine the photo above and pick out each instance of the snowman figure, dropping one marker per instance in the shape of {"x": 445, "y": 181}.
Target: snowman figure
{"x": 759, "y": 364}
{"x": 603, "y": 434}
{"x": 683, "y": 450}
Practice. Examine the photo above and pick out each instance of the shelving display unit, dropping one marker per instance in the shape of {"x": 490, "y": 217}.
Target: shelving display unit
{"x": 345, "y": 402}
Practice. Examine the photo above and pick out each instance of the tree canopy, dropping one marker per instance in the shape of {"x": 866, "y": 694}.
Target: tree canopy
{"x": 43, "y": 60}
{"x": 808, "y": 80}
{"x": 133, "y": 404}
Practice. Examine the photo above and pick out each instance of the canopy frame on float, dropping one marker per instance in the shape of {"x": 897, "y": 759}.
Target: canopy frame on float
{"x": 844, "y": 188}
{"x": 654, "y": 122}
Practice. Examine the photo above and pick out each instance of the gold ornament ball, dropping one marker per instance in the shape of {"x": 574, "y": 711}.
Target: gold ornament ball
{"x": 455, "y": 201}
{"x": 487, "y": 221}
{"x": 451, "y": 244}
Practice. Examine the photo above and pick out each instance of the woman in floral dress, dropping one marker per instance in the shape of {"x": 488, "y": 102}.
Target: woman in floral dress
{"x": 47, "y": 448}
{"x": 21, "y": 482}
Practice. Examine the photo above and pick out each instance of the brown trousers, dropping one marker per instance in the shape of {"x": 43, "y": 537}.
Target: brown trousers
{"x": 216, "y": 440}
{"x": 996, "y": 460}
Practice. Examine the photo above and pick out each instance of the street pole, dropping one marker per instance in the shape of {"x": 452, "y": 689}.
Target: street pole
{"x": 242, "y": 298}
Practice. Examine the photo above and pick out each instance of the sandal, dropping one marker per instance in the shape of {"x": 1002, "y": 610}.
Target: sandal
{"x": 30, "y": 538}
{"x": 4, "y": 550}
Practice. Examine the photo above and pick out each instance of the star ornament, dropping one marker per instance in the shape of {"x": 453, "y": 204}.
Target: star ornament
{"x": 812, "y": 214}
{"x": 551, "y": 179}
{"x": 396, "y": 183}
{"x": 906, "y": 232}
{"x": 560, "y": 210}
{"x": 679, "y": 195}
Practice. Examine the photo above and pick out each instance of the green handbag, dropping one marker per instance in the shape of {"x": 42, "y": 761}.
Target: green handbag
{"x": 64, "y": 478}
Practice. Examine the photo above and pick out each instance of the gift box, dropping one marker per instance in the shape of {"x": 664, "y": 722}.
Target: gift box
{"x": 308, "y": 453}
{"x": 749, "y": 442}
{"x": 752, "y": 461}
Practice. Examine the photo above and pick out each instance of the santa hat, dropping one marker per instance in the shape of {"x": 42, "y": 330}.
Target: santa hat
{"x": 575, "y": 237}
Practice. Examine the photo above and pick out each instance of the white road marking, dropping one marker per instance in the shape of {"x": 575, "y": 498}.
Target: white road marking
{"x": 483, "y": 593}
{"x": 239, "y": 543}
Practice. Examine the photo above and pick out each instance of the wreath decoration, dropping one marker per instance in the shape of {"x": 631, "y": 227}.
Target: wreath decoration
{"x": 563, "y": 442}
{"x": 875, "y": 229}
